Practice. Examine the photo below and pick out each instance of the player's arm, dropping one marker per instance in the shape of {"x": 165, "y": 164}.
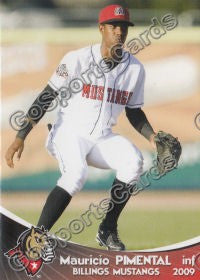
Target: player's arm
{"x": 34, "y": 115}
{"x": 139, "y": 121}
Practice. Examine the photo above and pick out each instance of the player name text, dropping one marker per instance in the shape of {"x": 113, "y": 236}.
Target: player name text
{"x": 142, "y": 260}
{"x": 84, "y": 261}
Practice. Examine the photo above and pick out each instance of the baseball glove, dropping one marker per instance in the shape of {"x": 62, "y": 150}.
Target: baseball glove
{"x": 168, "y": 152}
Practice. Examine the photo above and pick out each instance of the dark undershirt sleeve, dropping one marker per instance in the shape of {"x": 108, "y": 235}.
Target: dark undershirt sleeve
{"x": 37, "y": 110}
{"x": 139, "y": 121}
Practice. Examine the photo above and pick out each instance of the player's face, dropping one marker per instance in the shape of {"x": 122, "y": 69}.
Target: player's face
{"x": 113, "y": 33}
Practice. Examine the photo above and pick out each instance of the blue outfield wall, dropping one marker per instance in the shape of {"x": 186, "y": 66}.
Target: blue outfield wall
{"x": 183, "y": 178}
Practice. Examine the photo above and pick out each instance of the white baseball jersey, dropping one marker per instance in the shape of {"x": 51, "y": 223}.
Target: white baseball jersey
{"x": 82, "y": 135}
{"x": 97, "y": 96}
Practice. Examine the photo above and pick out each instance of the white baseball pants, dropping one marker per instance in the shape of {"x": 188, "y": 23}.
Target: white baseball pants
{"x": 75, "y": 153}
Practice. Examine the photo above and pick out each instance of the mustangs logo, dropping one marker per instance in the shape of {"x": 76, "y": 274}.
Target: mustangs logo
{"x": 62, "y": 71}
{"x": 34, "y": 247}
{"x": 119, "y": 11}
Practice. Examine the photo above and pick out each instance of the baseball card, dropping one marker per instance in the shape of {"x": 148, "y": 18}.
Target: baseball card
{"x": 100, "y": 140}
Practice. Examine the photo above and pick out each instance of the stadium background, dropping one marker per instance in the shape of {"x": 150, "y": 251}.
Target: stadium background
{"x": 35, "y": 36}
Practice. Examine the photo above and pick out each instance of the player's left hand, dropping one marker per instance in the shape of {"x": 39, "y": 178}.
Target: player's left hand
{"x": 16, "y": 147}
{"x": 168, "y": 151}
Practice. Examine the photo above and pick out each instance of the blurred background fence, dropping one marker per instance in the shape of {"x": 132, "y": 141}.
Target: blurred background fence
{"x": 65, "y": 13}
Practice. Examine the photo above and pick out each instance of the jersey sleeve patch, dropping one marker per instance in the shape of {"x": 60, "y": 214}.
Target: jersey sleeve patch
{"x": 61, "y": 75}
{"x": 62, "y": 71}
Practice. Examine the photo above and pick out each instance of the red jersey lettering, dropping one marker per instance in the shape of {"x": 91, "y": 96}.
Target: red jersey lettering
{"x": 100, "y": 93}
{"x": 93, "y": 94}
{"x": 86, "y": 90}
{"x": 124, "y": 97}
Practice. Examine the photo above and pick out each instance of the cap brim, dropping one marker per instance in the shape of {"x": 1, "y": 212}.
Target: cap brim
{"x": 129, "y": 23}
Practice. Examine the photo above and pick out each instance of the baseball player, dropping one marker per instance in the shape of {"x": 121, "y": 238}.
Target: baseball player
{"x": 98, "y": 82}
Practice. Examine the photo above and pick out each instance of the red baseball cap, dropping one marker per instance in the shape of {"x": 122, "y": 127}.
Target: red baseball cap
{"x": 113, "y": 13}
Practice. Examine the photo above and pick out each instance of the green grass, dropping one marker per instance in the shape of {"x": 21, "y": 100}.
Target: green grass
{"x": 138, "y": 229}
{"x": 90, "y": 35}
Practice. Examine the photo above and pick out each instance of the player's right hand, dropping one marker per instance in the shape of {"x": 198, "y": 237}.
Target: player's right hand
{"x": 16, "y": 147}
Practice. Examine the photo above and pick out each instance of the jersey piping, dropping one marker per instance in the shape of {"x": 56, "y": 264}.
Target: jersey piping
{"x": 115, "y": 83}
{"x": 101, "y": 100}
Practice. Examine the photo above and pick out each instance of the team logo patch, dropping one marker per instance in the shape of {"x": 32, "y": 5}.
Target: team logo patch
{"x": 34, "y": 248}
{"x": 62, "y": 71}
{"x": 119, "y": 11}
